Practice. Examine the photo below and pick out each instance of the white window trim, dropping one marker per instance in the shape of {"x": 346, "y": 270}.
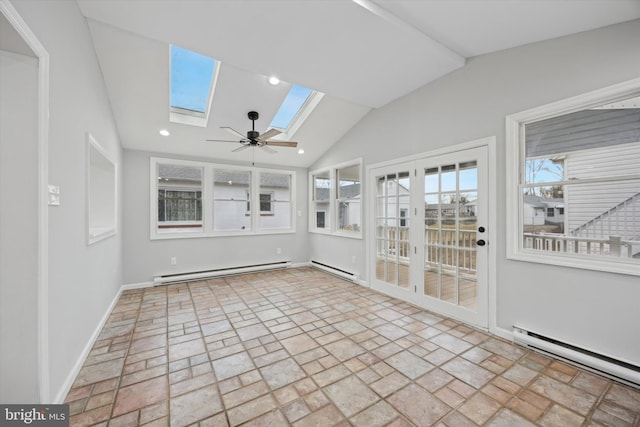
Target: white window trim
{"x": 207, "y": 200}
{"x": 515, "y": 159}
{"x": 332, "y": 213}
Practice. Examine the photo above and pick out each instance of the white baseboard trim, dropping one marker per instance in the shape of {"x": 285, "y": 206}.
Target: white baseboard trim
{"x": 71, "y": 377}
{"x": 301, "y": 264}
{"x": 362, "y": 283}
{"x": 132, "y": 286}
{"x": 502, "y": 333}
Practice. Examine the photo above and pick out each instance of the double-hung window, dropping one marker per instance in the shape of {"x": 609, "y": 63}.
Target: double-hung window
{"x": 321, "y": 187}
{"x": 573, "y": 178}
{"x": 336, "y": 202}
{"x": 179, "y": 198}
{"x": 197, "y": 199}
{"x": 231, "y": 196}
{"x": 275, "y": 201}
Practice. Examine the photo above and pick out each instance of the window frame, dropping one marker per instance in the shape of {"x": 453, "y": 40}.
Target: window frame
{"x": 332, "y": 212}
{"x": 208, "y": 200}
{"x": 515, "y": 163}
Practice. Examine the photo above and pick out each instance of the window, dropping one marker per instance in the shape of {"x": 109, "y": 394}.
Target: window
{"x": 348, "y": 198}
{"x": 321, "y": 195}
{"x": 266, "y": 206}
{"x": 336, "y": 200}
{"x": 193, "y": 79}
{"x": 294, "y": 110}
{"x": 320, "y": 219}
{"x": 275, "y": 201}
{"x": 179, "y": 190}
{"x": 196, "y": 199}
{"x": 404, "y": 214}
{"x": 231, "y": 198}
{"x": 291, "y": 106}
{"x": 577, "y": 161}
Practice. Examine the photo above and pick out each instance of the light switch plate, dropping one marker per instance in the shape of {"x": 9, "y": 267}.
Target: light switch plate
{"x": 54, "y": 195}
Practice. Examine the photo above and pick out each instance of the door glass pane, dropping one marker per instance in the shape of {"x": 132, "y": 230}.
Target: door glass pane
{"x": 450, "y": 233}
{"x": 392, "y": 228}
{"x": 448, "y": 178}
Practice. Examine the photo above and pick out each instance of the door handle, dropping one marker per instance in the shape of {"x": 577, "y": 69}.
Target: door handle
{"x": 481, "y": 242}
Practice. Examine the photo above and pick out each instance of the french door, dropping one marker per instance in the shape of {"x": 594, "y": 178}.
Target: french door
{"x": 430, "y": 233}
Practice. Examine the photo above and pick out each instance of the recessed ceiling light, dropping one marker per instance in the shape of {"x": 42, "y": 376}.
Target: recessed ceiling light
{"x": 164, "y": 132}
{"x": 273, "y": 80}
{"x": 301, "y": 151}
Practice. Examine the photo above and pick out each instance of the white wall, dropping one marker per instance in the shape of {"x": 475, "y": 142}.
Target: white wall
{"x": 593, "y": 309}
{"x": 83, "y": 280}
{"x": 18, "y": 228}
{"x": 145, "y": 258}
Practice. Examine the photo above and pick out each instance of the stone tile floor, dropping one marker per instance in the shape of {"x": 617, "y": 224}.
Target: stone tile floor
{"x": 304, "y": 348}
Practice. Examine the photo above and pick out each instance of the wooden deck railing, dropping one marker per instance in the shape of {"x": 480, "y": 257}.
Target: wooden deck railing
{"x": 612, "y": 246}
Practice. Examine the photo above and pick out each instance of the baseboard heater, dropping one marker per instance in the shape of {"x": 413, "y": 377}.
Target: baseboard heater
{"x": 335, "y": 271}
{"x": 589, "y": 360}
{"x": 205, "y": 274}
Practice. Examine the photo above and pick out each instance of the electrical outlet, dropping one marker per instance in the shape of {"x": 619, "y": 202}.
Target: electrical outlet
{"x": 279, "y": 251}
{"x": 174, "y": 260}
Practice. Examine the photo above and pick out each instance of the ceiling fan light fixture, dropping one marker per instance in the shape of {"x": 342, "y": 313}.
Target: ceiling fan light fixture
{"x": 273, "y": 80}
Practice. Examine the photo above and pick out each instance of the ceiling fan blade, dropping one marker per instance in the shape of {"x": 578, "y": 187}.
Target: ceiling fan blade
{"x": 222, "y": 140}
{"x": 233, "y": 131}
{"x": 268, "y": 149}
{"x": 282, "y": 143}
{"x": 242, "y": 147}
{"x": 269, "y": 134}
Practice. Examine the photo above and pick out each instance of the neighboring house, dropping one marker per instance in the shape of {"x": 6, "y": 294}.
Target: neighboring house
{"x": 180, "y": 199}
{"x": 541, "y": 211}
{"x": 594, "y": 206}
{"x": 599, "y": 210}
{"x": 348, "y": 209}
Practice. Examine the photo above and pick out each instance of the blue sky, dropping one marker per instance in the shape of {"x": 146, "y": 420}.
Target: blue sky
{"x": 290, "y": 106}
{"x": 191, "y": 75}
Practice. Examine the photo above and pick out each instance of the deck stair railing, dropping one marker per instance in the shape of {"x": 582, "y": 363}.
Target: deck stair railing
{"x": 621, "y": 219}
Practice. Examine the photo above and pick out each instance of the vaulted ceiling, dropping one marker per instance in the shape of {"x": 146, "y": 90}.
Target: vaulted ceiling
{"x": 361, "y": 54}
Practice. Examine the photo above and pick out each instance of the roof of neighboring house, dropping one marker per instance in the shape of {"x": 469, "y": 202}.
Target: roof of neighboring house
{"x": 542, "y": 202}
{"x": 347, "y": 192}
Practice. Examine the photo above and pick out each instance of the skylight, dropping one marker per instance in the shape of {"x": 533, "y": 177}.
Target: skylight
{"x": 291, "y": 106}
{"x": 192, "y": 81}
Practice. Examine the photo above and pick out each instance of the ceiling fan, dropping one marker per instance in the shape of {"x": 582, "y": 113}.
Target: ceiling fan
{"x": 254, "y": 139}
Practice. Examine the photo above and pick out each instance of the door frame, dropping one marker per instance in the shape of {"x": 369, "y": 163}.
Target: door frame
{"x": 490, "y": 236}
{"x": 21, "y": 27}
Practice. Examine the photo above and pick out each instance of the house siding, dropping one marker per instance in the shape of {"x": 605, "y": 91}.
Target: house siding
{"x": 588, "y": 201}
